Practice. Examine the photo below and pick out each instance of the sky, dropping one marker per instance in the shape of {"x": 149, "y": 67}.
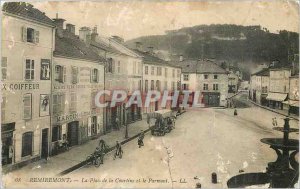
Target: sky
{"x": 132, "y": 18}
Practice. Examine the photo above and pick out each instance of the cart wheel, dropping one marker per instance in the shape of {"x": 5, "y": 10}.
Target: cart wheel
{"x": 89, "y": 160}
{"x": 97, "y": 162}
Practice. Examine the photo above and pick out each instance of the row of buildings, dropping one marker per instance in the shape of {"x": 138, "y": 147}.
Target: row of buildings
{"x": 50, "y": 77}
{"x": 276, "y": 87}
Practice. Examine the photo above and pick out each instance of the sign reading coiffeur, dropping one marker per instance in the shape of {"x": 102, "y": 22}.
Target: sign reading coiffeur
{"x": 20, "y": 86}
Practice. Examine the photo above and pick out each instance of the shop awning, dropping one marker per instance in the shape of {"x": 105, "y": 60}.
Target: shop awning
{"x": 292, "y": 103}
{"x": 277, "y": 96}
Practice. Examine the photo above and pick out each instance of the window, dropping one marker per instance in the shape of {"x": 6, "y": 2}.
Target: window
{"x": 75, "y": 74}
{"x": 94, "y": 125}
{"x": 27, "y": 143}
{"x": 4, "y": 68}
{"x": 146, "y": 85}
{"x": 109, "y": 65}
{"x": 173, "y": 73}
{"x": 58, "y": 103}
{"x": 205, "y": 76}
{"x": 178, "y": 73}
{"x": 30, "y": 35}
{"x": 158, "y": 85}
{"x": 93, "y": 96}
{"x": 73, "y": 102}
{"x": 134, "y": 67}
{"x": 56, "y": 133}
{"x": 185, "y": 77}
{"x": 152, "y": 84}
{"x": 166, "y": 72}
{"x": 27, "y": 105}
{"x": 146, "y": 70}
{"x": 45, "y": 69}
{"x": 205, "y": 86}
{"x": 60, "y": 73}
{"x": 29, "y": 69}
{"x": 152, "y": 70}
{"x": 185, "y": 86}
{"x": 3, "y": 105}
{"x": 95, "y": 76}
{"x": 166, "y": 85}
{"x": 215, "y": 76}
{"x": 173, "y": 84}
{"x": 215, "y": 87}
{"x": 159, "y": 71}
{"x": 119, "y": 67}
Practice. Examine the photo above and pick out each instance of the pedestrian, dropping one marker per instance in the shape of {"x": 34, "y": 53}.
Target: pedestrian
{"x": 274, "y": 121}
{"x": 141, "y": 138}
{"x": 235, "y": 112}
{"x": 118, "y": 151}
{"x": 117, "y": 123}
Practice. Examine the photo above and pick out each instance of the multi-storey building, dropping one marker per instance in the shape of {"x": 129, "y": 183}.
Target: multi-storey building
{"x": 260, "y": 86}
{"x": 211, "y": 81}
{"x": 27, "y": 46}
{"x": 158, "y": 75}
{"x": 123, "y": 72}
{"x": 293, "y": 100}
{"x": 278, "y": 86}
{"x": 77, "y": 76}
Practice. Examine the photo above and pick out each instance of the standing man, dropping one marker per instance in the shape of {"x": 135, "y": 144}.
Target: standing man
{"x": 117, "y": 123}
{"x": 141, "y": 138}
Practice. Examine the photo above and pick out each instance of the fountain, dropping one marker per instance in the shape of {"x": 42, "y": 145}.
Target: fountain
{"x": 284, "y": 172}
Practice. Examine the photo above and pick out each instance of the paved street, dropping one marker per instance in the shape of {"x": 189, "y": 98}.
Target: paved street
{"x": 205, "y": 141}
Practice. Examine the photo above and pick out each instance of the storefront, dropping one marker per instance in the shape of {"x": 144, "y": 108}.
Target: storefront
{"x": 211, "y": 99}
{"x": 275, "y": 100}
{"x": 7, "y": 143}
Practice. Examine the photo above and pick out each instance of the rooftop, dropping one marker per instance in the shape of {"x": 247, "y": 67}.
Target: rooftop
{"x": 69, "y": 45}
{"x": 199, "y": 66}
{"x": 263, "y": 72}
{"x": 27, "y": 11}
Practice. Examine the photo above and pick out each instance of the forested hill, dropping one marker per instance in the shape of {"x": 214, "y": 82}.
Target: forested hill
{"x": 226, "y": 42}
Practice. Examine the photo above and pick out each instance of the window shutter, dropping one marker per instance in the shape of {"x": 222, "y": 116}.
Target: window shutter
{"x": 24, "y": 34}
{"x": 91, "y": 75}
{"x": 27, "y": 106}
{"x": 89, "y": 126}
{"x": 36, "y": 36}
{"x": 99, "y": 123}
{"x": 113, "y": 66}
{"x": 98, "y": 75}
{"x": 64, "y": 74}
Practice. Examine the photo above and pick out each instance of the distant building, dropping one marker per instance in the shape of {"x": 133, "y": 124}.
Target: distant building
{"x": 233, "y": 83}
{"x": 293, "y": 100}
{"x": 278, "y": 86}
{"x": 27, "y": 46}
{"x": 206, "y": 77}
{"x": 78, "y": 74}
{"x": 260, "y": 86}
{"x": 158, "y": 75}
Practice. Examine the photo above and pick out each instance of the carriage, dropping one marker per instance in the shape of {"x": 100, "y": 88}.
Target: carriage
{"x": 164, "y": 121}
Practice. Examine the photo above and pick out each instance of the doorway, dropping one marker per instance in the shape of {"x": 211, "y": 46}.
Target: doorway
{"x": 73, "y": 133}
{"x": 45, "y": 143}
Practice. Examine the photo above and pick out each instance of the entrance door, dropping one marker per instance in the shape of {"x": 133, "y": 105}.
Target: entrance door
{"x": 44, "y": 143}
{"x": 73, "y": 133}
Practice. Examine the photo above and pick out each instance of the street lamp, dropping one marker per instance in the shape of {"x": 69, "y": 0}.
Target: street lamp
{"x": 126, "y": 124}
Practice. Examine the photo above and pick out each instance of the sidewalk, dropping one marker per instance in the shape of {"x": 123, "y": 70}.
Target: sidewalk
{"x": 281, "y": 112}
{"x": 77, "y": 154}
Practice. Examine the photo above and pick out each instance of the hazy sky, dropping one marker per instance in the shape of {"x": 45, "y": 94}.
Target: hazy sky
{"x": 132, "y": 19}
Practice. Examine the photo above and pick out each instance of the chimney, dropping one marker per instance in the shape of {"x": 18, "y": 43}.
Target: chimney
{"x": 181, "y": 58}
{"x": 94, "y": 34}
{"x": 138, "y": 45}
{"x": 150, "y": 50}
{"x": 70, "y": 28}
{"x": 59, "y": 22}
{"x": 85, "y": 34}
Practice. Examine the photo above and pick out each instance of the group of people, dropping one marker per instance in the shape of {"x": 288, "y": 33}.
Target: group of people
{"x": 103, "y": 148}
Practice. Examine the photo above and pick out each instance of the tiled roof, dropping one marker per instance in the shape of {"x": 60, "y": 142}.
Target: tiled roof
{"x": 199, "y": 66}
{"x": 263, "y": 72}
{"x": 26, "y": 10}
{"x": 105, "y": 47}
{"x": 69, "y": 45}
{"x": 149, "y": 58}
